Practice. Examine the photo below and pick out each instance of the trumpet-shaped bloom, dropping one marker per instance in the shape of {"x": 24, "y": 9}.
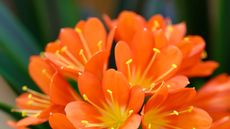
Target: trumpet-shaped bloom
{"x": 35, "y": 106}
{"x": 173, "y": 111}
{"x": 110, "y": 104}
{"x": 164, "y": 34}
{"x": 84, "y": 48}
{"x": 214, "y": 97}
{"x": 147, "y": 66}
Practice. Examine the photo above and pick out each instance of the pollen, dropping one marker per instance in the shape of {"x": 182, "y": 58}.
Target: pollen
{"x": 156, "y": 50}
{"x": 85, "y": 97}
{"x": 129, "y": 61}
{"x": 174, "y": 65}
{"x": 78, "y": 30}
{"x": 99, "y": 45}
{"x": 24, "y": 88}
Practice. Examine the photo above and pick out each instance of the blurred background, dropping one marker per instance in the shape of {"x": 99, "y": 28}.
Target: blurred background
{"x": 26, "y": 26}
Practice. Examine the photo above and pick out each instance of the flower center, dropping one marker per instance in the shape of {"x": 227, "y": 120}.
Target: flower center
{"x": 137, "y": 77}
{"x": 113, "y": 116}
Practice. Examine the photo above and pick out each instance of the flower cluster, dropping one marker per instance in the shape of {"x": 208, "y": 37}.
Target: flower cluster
{"x": 147, "y": 90}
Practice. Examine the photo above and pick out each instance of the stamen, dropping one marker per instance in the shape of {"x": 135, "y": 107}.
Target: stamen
{"x": 111, "y": 95}
{"x": 128, "y": 62}
{"x": 93, "y": 104}
{"x": 25, "y": 112}
{"x": 173, "y": 67}
{"x": 70, "y": 55}
{"x": 81, "y": 53}
{"x": 190, "y": 109}
{"x": 149, "y": 126}
{"x": 87, "y": 124}
{"x": 99, "y": 44}
{"x": 204, "y": 55}
{"x": 83, "y": 40}
{"x": 30, "y": 96}
{"x": 63, "y": 59}
{"x": 25, "y": 88}
{"x": 156, "y": 51}
{"x": 155, "y": 25}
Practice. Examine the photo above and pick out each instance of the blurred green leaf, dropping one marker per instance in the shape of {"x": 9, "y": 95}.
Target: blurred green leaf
{"x": 16, "y": 47}
{"x": 7, "y": 109}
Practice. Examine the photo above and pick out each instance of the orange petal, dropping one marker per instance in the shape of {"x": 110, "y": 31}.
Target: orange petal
{"x": 109, "y": 22}
{"x": 160, "y": 39}
{"x": 53, "y": 47}
{"x": 59, "y": 121}
{"x": 22, "y": 102}
{"x": 122, "y": 55}
{"x": 60, "y": 91}
{"x": 13, "y": 125}
{"x": 68, "y": 37}
{"x": 110, "y": 39}
{"x": 201, "y": 69}
{"x": 90, "y": 85}
{"x": 179, "y": 97}
{"x": 45, "y": 114}
{"x": 177, "y": 32}
{"x": 157, "y": 98}
{"x": 40, "y": 72}
{"x": 198, "y": 119}
{"x": 30, "y": 121}
{"x": 119, "y": 86}
{"x": 94, "y": 33}
{"x": 136, "y": 94}
{"x": 223, "y": 123}
{"x": 177, "y": 82}
{"x": 156, "y": 22}
{"x": 133, "y": 122}
{"x": 128, "y": 23}
{"x": 82, "y": 111}
{"x": 166, "y": 60}
{"x": 142, "y": 47}
{"x": 97, "y": 64}
{"x": 80, "y": 24}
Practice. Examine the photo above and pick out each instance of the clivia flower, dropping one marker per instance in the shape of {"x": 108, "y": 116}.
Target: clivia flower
{"x": 36, "y": 107}
{"x": 110, "y": 104}
{"x": 164, "y": 34}
{"x": 172, "y": 110}
{"x": 223, "y": 123}
{"x": 84, "y": 48}
{"x": 147, "y": 66}
{"x": 214, "y": 97}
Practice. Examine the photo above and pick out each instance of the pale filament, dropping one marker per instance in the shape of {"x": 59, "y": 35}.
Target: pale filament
{"x": 128, "y": 62}
{"x": 84, "y": 42}
{"x": 25, "y": 88}
{"x": 99, "y": 44}
{"x": 71, "y": 56}
{"x": 81, "y": 53}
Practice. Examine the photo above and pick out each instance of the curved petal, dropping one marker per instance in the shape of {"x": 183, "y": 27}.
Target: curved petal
{"x": 59, "y": 121}
{"x": 201, "y": 69}
{"x": 177, "y": 32}
{"x": 90, "y": 85}
{"x": 136, "y": 94}
{"x": 82, "y": 111}
{"x": 122, "y": 55}
{"x": 53, "y": 47}
{"x": 223, "y": 123}
{"x": 198, "y": 119}
{"x": 156, "y": 22}
{"x": 94, "y": 32}
{"x": 40, "y": 72}
{"x": 133, "y": 122}
{"x": 116, "y": 82}
{"x": 142, "y": 47}
{"x": 127, "y": 24}
{"x": 13, "y": 125}
{"x": 166, "y": 63}
{"x": 177, "y": 82}
{"x": 45, "y": 114}
{"x": 30, "y": 121}
{"x": 61, "y": 92}
{"x": 97, "y": 64}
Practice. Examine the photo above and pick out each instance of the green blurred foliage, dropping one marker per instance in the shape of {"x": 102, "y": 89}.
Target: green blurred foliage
{"x": 26, "y": 26}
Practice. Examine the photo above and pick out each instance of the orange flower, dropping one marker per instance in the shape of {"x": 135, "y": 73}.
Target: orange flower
{"x": 56, "y": 94}
{"x": 173, "y": 111}
{"x": 223, "y": 123}
{"x": 110, "y": 104}
{"x": 85, "y": 48}
{"x": 214, "y": 97}
{"x": 59, "y": 121}
{"x": 146, "y": 66}
{"x": 165, "y": 34}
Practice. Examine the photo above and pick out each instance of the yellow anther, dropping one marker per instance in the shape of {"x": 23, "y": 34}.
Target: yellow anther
{"x": 156, "y": 50}
{"x": 30, "y": 96}
{"x": 186, "y": 39}
{"x": 174, "y": 65}
{"x": 204, "y": 55}
{"x": 85, "y": 97}
{"x": 129, "y": 61}
{"x": 175, "y": 112}
{"x": 190, "y": 109}
{"x": 79, "y": 73}
{"x": 51, "y": 113}
{"x": 84, "y": 122}
{"x": 78, "y": 30}
{"x": 24, "y": 88}
{"x": 57, "y": 52}
{"x": 23, "y": 114}
{"x": 63, "y": 49}
{"x": 130, "y": 112}
{"x": 30, "y": 102}
{"x": 149, "y": 126}
{"x": 156, "y": 24}
{"x": 193, "y": 128}
{"x": 109, "y": 91}
{"x": 99, "y": 44}
{"x": 168, "y": 86}
{"x": 170, "y": 28}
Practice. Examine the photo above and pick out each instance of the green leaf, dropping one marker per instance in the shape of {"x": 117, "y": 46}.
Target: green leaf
{"x": 16, "y": 47}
